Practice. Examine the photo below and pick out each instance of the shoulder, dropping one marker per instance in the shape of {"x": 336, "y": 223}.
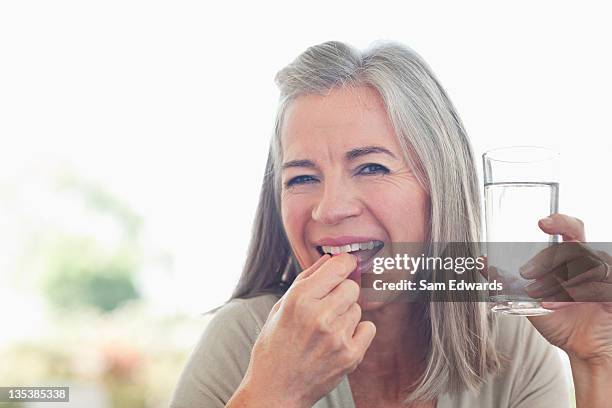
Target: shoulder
{"x": 532, "y": 373}
{"x": 220, "y": 359}
{"x": 234, "y": 327}
{"x": 242, "y": 316}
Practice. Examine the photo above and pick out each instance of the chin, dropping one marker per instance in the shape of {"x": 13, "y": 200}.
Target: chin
{"x": 370, "y": 300}
{"x": 369, "y": 304}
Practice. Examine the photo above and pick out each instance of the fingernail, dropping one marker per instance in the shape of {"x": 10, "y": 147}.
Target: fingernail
{"x": 547, "y": 222}
{"x": 527, "y": 269}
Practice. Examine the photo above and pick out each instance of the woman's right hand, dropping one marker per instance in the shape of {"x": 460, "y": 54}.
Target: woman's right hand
{"x": 312, "y": 338}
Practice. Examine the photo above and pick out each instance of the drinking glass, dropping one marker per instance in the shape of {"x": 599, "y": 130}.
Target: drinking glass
{"x": 521, "y": 186}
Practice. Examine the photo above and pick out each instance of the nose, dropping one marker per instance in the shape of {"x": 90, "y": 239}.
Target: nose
{"x": 336, "y": 203}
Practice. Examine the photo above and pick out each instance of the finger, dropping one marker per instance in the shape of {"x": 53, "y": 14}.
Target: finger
{"x": 310, "y": 270}
{"x": 340, "y": 299}
{"x": 553, "y": 306}
{"x": 591, "y": 292}
{"x": 552, "y": 257}
{"x": 605, "y": 256}
{"x": 364, "y": 334}
{"x": 559, "y": 305}
{"x": 547, "y": 285}
{"x": 559, "y": 297}
{"x": 578, "y": 271}
{"x": 302, "y": 275}
{"x": 588, "y": 292}
{"x": 350, "y": 319}
{"x": 585, "y": 269}
{"x": 329, "y": 275}
{"x": 570, "y": 228}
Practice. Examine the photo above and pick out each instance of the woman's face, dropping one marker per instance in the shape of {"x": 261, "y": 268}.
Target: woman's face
{"x": 344, "y": 179}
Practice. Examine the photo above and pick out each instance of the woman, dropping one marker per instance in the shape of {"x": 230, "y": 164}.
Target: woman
{"x": 368, "y": 150}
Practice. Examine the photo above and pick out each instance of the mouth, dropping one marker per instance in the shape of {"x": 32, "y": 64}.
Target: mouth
{"x": 364, "y": 251}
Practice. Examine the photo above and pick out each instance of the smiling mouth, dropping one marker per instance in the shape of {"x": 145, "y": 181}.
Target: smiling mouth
{"x": 357, "y": 248}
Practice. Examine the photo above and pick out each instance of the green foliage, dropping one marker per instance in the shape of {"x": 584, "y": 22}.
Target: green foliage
{"x": 84, "y": 270}
{"x": 81, "y": 273}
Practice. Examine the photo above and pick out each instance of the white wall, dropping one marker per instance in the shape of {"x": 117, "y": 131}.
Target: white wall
{"x": 171, "y": 103}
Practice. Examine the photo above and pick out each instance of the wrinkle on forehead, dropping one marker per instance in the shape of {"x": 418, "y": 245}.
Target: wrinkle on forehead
{"x": 342, "y": 109}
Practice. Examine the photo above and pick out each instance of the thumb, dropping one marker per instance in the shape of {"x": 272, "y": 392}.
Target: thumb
{"x": 302, "y": 275}
{"x": 364, "y": 334}
{"x": 570, "y": 228}
{"x": 310, "y": 270}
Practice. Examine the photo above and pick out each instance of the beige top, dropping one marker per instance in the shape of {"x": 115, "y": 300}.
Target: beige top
{"x": 533, "y": 379}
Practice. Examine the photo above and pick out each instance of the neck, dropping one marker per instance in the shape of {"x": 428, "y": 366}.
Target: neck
{"x": 396, "y": 356}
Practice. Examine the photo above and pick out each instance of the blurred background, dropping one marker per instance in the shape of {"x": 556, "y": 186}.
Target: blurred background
{"x": 133, "y": 138}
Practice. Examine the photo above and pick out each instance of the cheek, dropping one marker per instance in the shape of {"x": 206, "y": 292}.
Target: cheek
{"x": 404, "y": 213}
{"x": 295, "y": 215}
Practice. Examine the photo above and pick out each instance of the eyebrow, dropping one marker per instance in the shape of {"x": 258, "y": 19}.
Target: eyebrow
{"x": 363, "y": 151}
{"x": 299, "y": 163}
{"x": 350, "y": 155}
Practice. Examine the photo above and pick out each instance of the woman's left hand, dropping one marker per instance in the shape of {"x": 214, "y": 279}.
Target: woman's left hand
{"x": 582, "y": 327}
{"x": 581, "y": 324}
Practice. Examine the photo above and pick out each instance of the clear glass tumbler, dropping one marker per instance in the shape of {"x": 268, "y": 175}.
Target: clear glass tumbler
{"x": 521, "y": 186}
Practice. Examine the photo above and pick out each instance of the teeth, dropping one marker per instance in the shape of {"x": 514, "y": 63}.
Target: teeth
{"x": 334, "y": 250}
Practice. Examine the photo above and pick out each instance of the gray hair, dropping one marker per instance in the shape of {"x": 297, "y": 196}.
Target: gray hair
{"x": 460, "y": 334}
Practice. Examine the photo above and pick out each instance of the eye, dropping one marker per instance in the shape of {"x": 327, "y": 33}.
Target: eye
{"x": 303, "y": 179}
{"x": 373, "y": 168}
